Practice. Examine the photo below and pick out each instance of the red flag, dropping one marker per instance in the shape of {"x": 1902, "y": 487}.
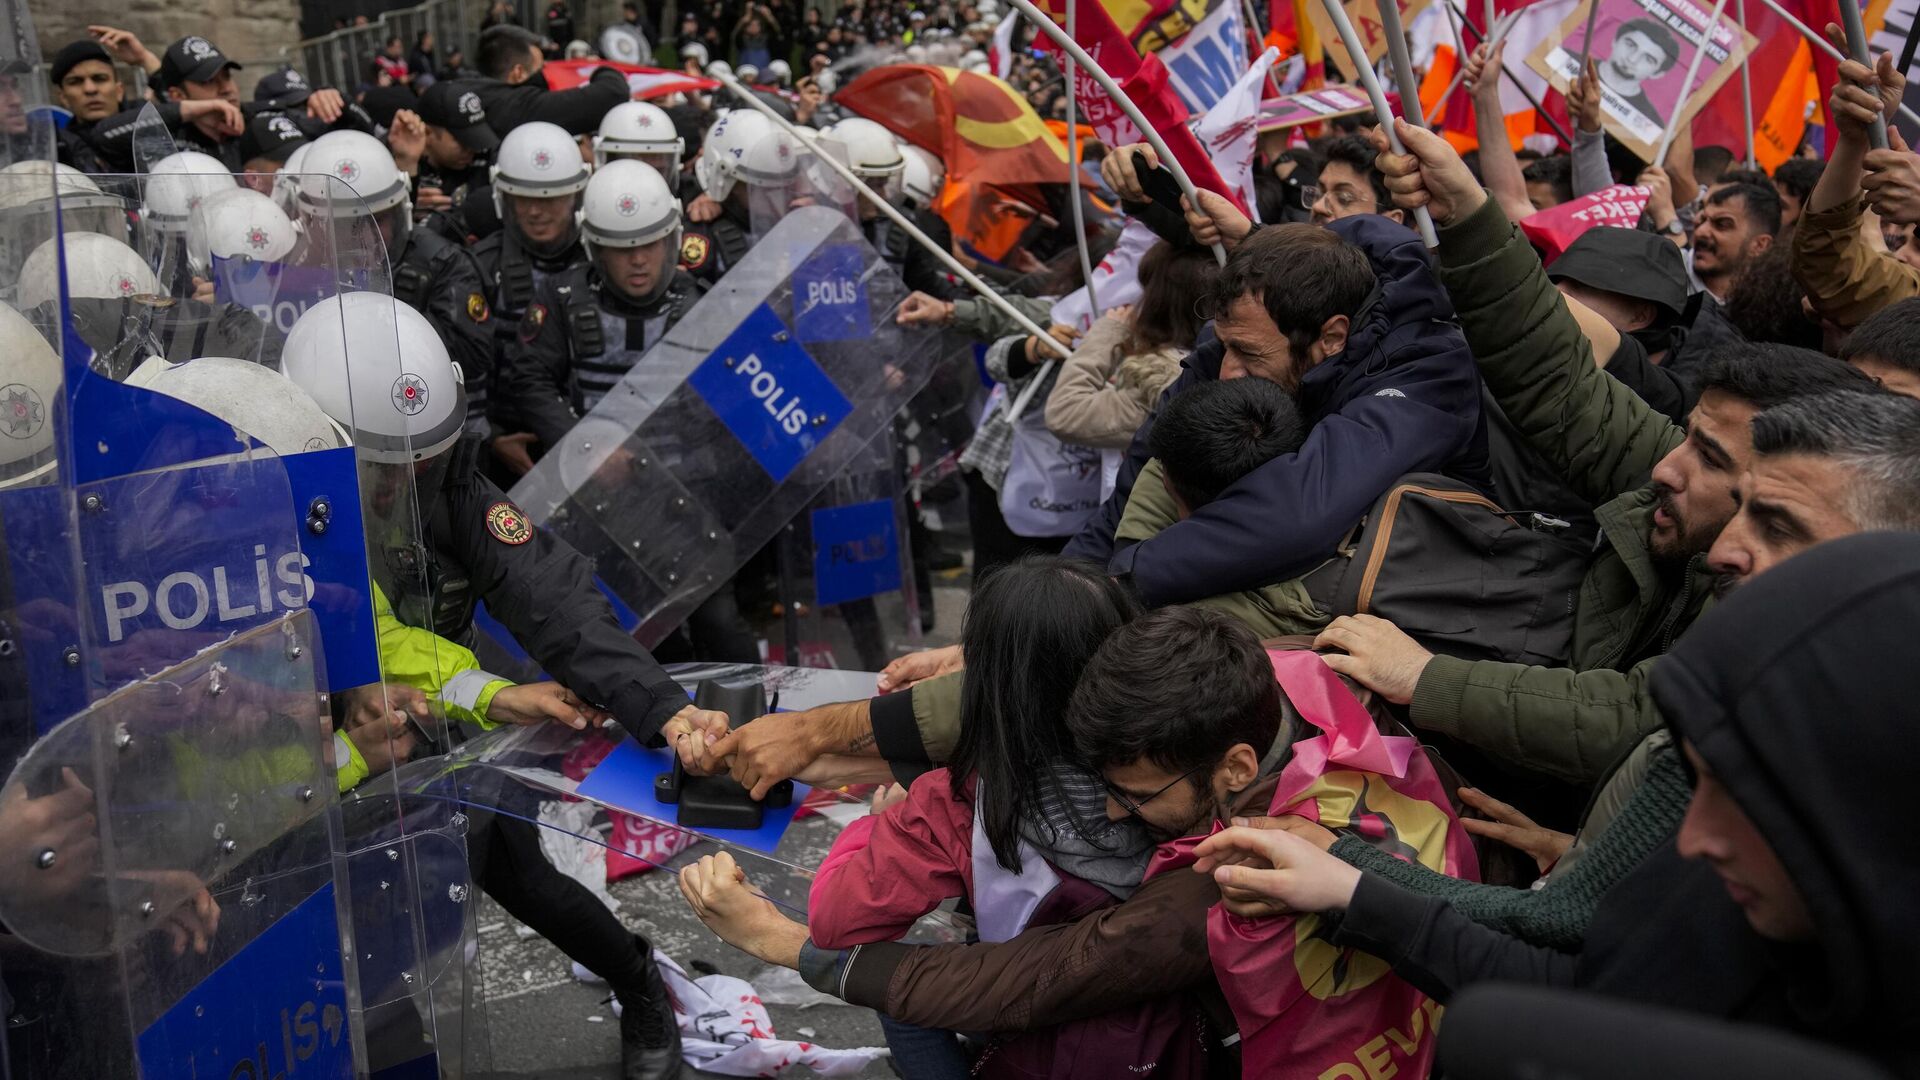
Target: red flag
{"x": 646, "y": 82}
{"x": 1142, "y": 79}
{"x": 1723, "y": 120}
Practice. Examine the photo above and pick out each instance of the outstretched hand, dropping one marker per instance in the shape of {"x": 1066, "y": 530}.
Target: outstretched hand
{"x": 1276, "y": 864}
{"x": 718, "y": 892}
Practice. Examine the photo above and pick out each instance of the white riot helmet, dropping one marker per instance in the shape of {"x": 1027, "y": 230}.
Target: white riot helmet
{"x": 872, "y": 151}
{"x": 377, "y": 366}
{"x": 744, "y": 145}
{"x": 974, "y": 60}
{"x": 255, "y": 399}
{"x": 83, "y": 206}
{"x": 577, "y": 50}
{"x": 629, "y": 205}
{"x": 537, "y": 160}
{"x": 780, "y": 73}
{"x": 719, "y": 68}
{"x": 286, "y": 182}
{"x": 30, "y": 386}
{"x": 625, "y": 45}
{"x": 353, "y": 161}
{"x": 924, "y": 177}
{"x": 98, "y": 267}
{"x": 177, "y": 183}
{"x": 748, "y": 74}
{"x": 642, "y": 130}
{"x": 693, "y": 50}
{"x": 239, "y": 224}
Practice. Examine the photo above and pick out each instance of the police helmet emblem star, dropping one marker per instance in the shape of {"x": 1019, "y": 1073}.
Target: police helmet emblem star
{"x": 542, "y": 159}
{"x": 347, "y": 169}
{"x": 22, "y": 413}
{"x": 123, "y": 285}
{"x": 507, "y": 524}
{"x": 257, "y": 238}
{"x": 627, "y": 205}
{"x": 409, "y": 393}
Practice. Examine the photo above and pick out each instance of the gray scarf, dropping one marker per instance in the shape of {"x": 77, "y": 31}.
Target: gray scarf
{"x": 1074, "y": 834}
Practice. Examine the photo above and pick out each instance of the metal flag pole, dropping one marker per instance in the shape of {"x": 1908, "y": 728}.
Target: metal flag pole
{"x": 1586, "y": 39}
{"x": 880, "y": 202}
{"x": 1072, "y": 48}
{"x": 1401, "y": 62}
{"x": 1073, "y": 170}
{"x": 1857, "y": 45}
{"x": 1358, "y": 54}
{"x": 1253, "y": 20}
{"x": 1746, "y": 81}
{"x": 1686, "y": 84}
{"x": 1823, "y": 45}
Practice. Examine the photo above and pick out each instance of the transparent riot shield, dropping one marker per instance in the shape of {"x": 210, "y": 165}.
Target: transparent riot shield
{"x": 745, "y": 411}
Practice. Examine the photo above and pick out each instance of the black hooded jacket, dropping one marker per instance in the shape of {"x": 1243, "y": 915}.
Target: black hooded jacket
{"x": 1797, "y": 692}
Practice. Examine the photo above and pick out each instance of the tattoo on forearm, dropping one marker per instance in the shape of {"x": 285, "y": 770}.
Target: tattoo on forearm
{"x": 859, "y": 743}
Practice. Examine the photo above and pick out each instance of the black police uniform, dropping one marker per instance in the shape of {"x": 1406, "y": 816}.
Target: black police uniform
{"x": 513, "y": 277}
{"x": 921, "y": 269}
{"x": 480, "y": 547}
{"x": 441, "y": 279}
{"x": 578, "y": 109}
{"x": 710, "y": 248}
{"x": 591, "y": 338}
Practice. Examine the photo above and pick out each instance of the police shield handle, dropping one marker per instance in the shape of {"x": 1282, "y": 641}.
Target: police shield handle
{"x": 880, "y": 203}
{"x": 1421, "y": 217}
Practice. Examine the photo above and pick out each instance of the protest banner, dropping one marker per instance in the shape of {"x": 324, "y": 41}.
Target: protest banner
{"x": 1365, "y": 16}
{"x": 1642, "y": 50}
{"x": 1550, "y": 231}
{"x": 1313, "y": 105}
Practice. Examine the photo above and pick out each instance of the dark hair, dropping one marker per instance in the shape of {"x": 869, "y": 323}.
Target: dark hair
{"x": 1765, "y": 303}
{"x": 1171, "y": 278}
{"x": 1213, "y": 433}
{"x": 1762, "y": 204}
{"x": 1302, "y": 274}
{"x": 1556, "y": 171}
{"x": 1765, "y": 375}
{"x": 1798, "y": 176}
{"x": 1890, "y": 335}
{"x": 503, "y": 46}
{"x": 1179, "y": 687}
{"x": 1031, "y": 627}
{"x": 1709, "y": 162}
{"x": 1743, "y": 176}
{"x": 1357, "y": 153}
{"x": 1660, "y": 35}
{"x": 1876, "y": 435}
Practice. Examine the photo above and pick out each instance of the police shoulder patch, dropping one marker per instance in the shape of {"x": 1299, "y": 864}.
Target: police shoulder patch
{"x": 477, "y": 309}
{"x": 693, "y": 251}
{"x": 507, "y": 524}
{"x": 532, "y": 321}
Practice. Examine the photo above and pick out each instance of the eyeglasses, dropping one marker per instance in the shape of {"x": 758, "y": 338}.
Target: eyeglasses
{"x": 1126, "y": 801}
{"x": 1345, "y": 198}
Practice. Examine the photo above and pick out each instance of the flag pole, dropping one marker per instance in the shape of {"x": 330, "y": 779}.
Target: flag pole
{"x": 1072, "y": 48}
{"x": 880, "y": 203}
{"x": 1253, "y": 20}
{"x": 1520, "y": 86}
{"x": 1746, "y": 82}
{"x": 1358, "y": 55}
{"x": 1823, "y": 45}
{"x": 1401, "y": 62}
{"x": 1686, "y": 84}
{"x": 1073, "y": 170}
{"x": 1857, "y": 45}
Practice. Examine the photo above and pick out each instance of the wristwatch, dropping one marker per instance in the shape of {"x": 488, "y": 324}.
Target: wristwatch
{"x": 1673, "y": 228}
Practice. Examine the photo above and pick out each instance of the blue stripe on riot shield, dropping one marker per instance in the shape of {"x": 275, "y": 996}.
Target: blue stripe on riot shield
{"x": 770, "y": 394}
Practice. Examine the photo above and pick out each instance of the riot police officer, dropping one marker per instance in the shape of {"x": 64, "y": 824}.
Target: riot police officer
{"x": 748, "y": 167}
{"x": 480, "y": 547}
{"x": 877, "y": 158}
{"x": 431, "y": 274}
{"x": 643, "y": 131}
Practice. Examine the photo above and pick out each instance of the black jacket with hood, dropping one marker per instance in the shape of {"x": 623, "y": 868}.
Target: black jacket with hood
{"x": 1403, "y": 396}
{"x": 1797, "y": 693}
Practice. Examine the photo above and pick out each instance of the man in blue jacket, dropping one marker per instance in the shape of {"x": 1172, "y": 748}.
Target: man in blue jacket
{"x": 1383, "y": 377}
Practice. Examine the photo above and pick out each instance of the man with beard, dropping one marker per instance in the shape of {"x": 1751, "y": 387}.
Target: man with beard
{"x": 1661, "y": 495}
{"x": 1737, "y": 227}
{"x": 1822, "y": 468}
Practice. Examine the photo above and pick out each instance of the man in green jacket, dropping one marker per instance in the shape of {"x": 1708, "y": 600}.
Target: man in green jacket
{"x": 1662, "y": 494}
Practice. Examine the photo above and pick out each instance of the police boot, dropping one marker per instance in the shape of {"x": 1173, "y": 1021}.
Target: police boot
{"x": 649, "y": 1034}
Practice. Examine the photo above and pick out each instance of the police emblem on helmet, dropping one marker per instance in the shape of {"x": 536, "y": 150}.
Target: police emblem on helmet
{"x": 409, "y": 393}
{"x": 627, "y": 205}
{"x": 22, "y": 413}
{"x": 347, "y": 169}
{"x": 542, "y": 159}
{"x": 123, "y": 285}
{"x": 257, "y": 238}
{"x": 645, "y": 120}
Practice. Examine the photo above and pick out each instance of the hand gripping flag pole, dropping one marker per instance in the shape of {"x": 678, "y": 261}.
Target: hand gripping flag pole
{"x": 1364, "y": 70}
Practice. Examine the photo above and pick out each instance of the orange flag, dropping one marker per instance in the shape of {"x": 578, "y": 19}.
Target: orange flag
{"x": 1785, "y": 120}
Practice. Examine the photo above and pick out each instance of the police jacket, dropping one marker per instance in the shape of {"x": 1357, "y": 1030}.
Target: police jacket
{"x": 480, "y": 547}
{"x": 1403, "y": 396}
{"x": 711, "y": 248}
{"x": 441, "y": 280}
{"x": 592, "y": 336}
{"x": 579, "y": 110}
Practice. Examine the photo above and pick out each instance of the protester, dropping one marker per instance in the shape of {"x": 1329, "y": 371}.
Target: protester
{"x": 514, "y": 91}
